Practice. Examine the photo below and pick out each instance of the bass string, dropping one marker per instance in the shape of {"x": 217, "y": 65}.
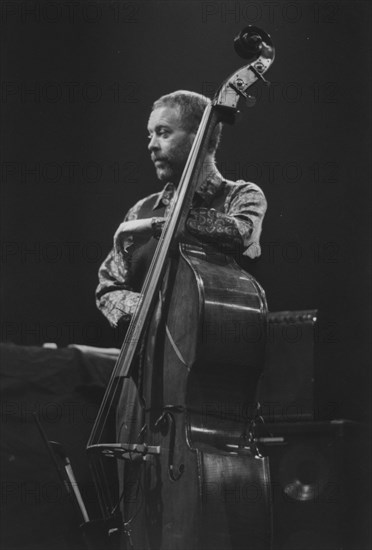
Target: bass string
{"x": 152, "y": 280}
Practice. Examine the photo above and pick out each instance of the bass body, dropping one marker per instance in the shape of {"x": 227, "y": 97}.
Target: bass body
{"x": 202, "y": 359}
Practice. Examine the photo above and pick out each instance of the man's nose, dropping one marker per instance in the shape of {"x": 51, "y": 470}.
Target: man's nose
{"x": 153, "y": 143}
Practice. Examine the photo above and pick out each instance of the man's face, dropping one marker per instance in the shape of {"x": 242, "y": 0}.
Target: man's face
{"x": 169, "y": 144}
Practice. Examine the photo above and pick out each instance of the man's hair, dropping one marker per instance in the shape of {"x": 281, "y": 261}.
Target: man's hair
{"x": 192, "y": 106}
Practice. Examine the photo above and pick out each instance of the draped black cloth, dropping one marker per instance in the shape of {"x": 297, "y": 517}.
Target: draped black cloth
{"x": 64, "y": 387}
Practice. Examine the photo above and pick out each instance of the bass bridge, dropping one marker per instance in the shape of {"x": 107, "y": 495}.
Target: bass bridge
{"x": 133, "y": 452}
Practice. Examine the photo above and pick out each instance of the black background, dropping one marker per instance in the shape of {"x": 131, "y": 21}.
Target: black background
{"x": 74, "y": 159}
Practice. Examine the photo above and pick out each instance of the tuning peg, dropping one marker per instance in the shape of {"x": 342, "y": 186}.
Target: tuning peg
{"x": 257, "y": 70}
{"x": 250, "y": 100}
{"x": 266, "y": 82}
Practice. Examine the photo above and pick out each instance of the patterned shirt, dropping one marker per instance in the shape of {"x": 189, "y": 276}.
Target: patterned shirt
{"x": 228, "y": 214}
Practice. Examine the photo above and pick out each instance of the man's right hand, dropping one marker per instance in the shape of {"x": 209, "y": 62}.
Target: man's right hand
{"x": 146, "y": 227}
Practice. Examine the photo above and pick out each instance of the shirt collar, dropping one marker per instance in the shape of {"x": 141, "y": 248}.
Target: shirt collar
{"x": 207, "y": 190}
{"x": 165, "y": 196}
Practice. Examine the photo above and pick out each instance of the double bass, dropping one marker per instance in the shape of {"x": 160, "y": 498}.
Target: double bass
{"x": 180, "y": 471}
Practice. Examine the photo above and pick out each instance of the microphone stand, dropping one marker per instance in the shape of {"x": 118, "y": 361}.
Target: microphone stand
{"x": 95, "y": 533}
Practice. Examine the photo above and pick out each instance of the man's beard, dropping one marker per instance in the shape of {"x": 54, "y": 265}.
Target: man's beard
{"x": 171, "y": 166}
{"x": 167, "y": 171}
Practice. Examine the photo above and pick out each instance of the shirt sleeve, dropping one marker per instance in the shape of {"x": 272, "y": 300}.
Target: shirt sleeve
{"x": 114, "y": 295}
{"x": 238, "y": 228}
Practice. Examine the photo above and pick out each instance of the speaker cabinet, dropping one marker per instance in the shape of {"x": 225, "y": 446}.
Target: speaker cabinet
{"x": 286, "y": 388}
{"x": 320, "y": 485}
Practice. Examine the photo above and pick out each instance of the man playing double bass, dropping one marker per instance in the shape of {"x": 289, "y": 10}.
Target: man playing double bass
{"x": 162, "y": 425}
{"x": 226, "y": 213}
